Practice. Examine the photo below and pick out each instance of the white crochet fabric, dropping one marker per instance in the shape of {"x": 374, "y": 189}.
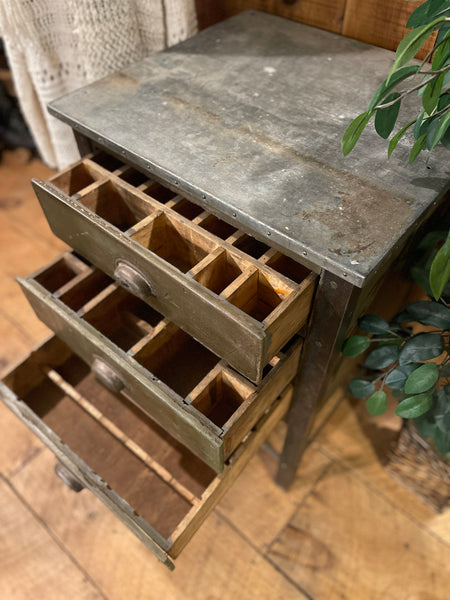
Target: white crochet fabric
{"x": 56, "y": 46}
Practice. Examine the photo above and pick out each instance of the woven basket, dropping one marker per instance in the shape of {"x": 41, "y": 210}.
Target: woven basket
{"x": 418, "y": 466}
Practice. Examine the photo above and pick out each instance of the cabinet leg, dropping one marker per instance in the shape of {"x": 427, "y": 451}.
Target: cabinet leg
{"x": 333, "y": 308}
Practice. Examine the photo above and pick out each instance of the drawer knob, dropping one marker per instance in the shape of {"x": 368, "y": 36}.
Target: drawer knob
{"x": 68, "y": 477}
{"x": 107, "y": 376}
{"x": 132, "y": 280}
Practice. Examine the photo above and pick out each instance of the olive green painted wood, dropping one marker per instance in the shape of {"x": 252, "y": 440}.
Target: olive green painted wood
{"x": 141, "y": 528}
{"x": 182, "y": 421}
{"x": 222, "y": 327}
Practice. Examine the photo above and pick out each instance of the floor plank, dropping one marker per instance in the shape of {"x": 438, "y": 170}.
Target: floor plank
{"x": 218, "y": 563}
{"x": 362, "y": 443}
{"x": 347, "y": 541}
{"x": 32, "y": 564}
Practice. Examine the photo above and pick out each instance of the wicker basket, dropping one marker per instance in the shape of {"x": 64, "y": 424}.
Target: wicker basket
{"x": 418, "y": 466}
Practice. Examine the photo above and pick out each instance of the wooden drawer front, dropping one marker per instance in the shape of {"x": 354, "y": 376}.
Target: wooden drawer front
{"x": 187, "y": 389}
{"x": 240, "y": 298}
{"x": 157, "y": 487}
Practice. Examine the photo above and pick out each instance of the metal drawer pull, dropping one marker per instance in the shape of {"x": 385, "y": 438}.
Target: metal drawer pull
{"x": 107, "y": 376}
{"x": 132, "y": 280}
{"x": 68, "y": 478}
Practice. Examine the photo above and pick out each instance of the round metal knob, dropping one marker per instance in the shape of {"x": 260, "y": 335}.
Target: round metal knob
{"x": 132, "y": 280}
{"x": 68, "y": 478}
{"x": 107, "y": 376}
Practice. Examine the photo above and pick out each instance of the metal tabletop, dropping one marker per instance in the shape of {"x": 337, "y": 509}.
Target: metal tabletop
{"x": 247, "y": 117}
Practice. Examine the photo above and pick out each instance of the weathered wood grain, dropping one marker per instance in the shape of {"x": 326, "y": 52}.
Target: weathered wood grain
{"x": 347, "y": 542}
{"x": 32, "y": 563}
{"x": 219, "y": 563}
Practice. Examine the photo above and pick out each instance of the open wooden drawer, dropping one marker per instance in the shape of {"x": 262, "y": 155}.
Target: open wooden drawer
{"x": 156, "y": 486}
{"x": 200, "y": 272}
{"x": 183, "y": 386}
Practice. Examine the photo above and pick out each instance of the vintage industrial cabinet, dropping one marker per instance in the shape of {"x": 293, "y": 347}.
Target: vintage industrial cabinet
{"x": 221, "y": 248}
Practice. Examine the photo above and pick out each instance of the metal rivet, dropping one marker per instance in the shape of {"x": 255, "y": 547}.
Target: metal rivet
{"x": 305, "y": 254}
{"x": 233, "y": 214}
{"x": 268, "y": 233}
{"x": 204, "y": 196}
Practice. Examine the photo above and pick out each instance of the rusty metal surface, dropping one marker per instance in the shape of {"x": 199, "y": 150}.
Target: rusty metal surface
{"x": 247, "y": 118}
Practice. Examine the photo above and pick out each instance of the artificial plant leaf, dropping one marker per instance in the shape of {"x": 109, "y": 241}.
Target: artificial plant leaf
{"x": 397, "y": 378}
{"x": 444, "y": 124}
{"x": 443, "y": 400}
{"x": 429, "y": 312}
{"x": 412, "y": 43}
{"x": 397, "y": 137}
{"x": 432, "y": 92}
{"x": 432, "y": 131}
{"x": 420, "y": 347}
{"x": 384, "y": 89}
{"x": 422, "y": 379}
{"x": 440, "y": 269}
{"x": 442, "y": 441}
{"x": 443, "y": 32}
{"x": 426, "y": 427}
{"x": 353, "y": 132}
{"x": 373, "y": 324}
{"x": 441, "y": 54}
{"x": 426, "y": 12}
{"x": 417, "y": 148}
{"x": 385, "y": 118}
{"x": 381, "y": 357}
{"x": 414, "y": 406}
{"x": 354, "y": 345}
{"x": 445, "y": 139}
{"x": 360, "y": 388}
{"x": 377, "y": 403}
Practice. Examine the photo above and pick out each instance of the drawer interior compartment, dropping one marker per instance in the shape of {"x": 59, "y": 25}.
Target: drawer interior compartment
{"x": 153, "y": 483}
{"x": 194, "y": 262}
{"x": 136, "y": 339}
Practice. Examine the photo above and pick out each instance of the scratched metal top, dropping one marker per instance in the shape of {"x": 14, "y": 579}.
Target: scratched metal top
{"x": 247, "y": 118}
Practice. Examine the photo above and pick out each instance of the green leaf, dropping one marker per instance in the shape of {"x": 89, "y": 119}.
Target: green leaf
{"x": 417, "y": 148}
{"x": 384, "y": 89}
{"x": 420, "y": 347}
{"x": 381, "y": 357}
{"x": 444, "y": 124}
{"x": 360, "y": 388}
{"x": 431, "y": 131}
{"x": 373, "y": 324}
{"x": 442, "y": 441}
{"x": 356, "y": 344}
{"x": 445, "y": 139}
{"x": 440, "y": 269}
{"x": 412, "y": 43}
{"x": 441, "y": 54}
{"x": 377, "y": 403}
{"x": 414, "y": 406}
{"x": 353, "y": 132}
{"x": 426, "y": 12}
{"x": 422, "y": 379}
{"x": 397, "y": 137}
{"x": 431, "y": 93}
{"x": 431, "y": 313}
{"x": 397, "y": 379}
{"x": 385, "y": 118}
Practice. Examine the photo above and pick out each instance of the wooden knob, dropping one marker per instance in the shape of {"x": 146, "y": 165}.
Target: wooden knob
{"x": 107, "y": 376}
{"x": 68, "y": 478}
{"x": 133, "y": 280}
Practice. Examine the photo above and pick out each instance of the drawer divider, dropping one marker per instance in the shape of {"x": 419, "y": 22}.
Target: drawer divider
{"x": 115, "y": 431}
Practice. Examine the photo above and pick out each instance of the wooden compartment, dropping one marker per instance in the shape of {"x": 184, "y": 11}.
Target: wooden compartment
{"x": 156, "y": 486}
{"x": 166, "y": 372}
{"x": 198, "y": 270}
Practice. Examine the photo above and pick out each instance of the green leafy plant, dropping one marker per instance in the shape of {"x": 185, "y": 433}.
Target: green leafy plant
{"x": 430, "y": 80}
{"x": 403, "y": 361}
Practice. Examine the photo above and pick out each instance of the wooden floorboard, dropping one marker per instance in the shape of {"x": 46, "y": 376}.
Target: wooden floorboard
{"x": 346, "y": 530}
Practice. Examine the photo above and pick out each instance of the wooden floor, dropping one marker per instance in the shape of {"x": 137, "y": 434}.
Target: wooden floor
{"x": 346, "y": 530}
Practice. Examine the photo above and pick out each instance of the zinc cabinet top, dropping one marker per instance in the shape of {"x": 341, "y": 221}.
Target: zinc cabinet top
{"x": 247, "y": 118}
